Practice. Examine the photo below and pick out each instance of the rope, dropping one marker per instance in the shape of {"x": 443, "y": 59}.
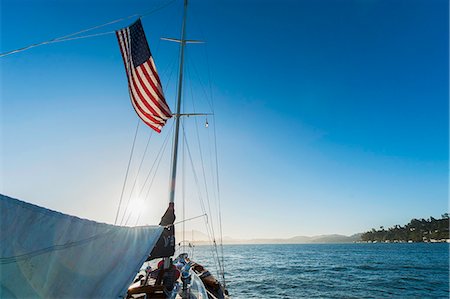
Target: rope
{"x": 210, "y": 101}
{"x": 68, "y": 36}
{"x": 137, "y": 175}
{"x": 208, "y": 229}
{"x": 205, "y": 182}
{"x": 80, "y": 37}
{"x": 201, "y": 154}
{"x": 189, "y": 219}
{"x": 126, "y": 174}
{"x": 183, "y": 181}
{"x": 220, "y": 261}
{"x": 218, "y": 201}
{"x": 202, "y": 85}
{"x": 156, "y": 161}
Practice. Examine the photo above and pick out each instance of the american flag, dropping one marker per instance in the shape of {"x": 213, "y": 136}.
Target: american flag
{"x": 144, "y": 85}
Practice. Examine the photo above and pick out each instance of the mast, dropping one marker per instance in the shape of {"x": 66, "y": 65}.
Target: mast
{"x": 177, "y": 115}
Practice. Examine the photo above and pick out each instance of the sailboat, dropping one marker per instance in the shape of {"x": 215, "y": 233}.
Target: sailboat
{"x": 48, "y": 254}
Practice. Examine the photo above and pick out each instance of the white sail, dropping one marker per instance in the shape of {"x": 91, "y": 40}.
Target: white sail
{"x": 46, "y": 254}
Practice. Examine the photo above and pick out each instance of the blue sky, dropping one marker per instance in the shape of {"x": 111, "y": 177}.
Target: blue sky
{"x": 332, "y": 116}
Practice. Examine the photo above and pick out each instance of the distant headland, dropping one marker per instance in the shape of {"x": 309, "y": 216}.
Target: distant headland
{"x": 429, "y": 230}
{"x": 417, "y": 230}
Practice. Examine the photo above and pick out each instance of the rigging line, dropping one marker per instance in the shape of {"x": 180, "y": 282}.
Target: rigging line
{"x": 164, "y": 27}
{"x": 156, "y": 162}
{"x": 158, "y": 156}
{"x": 202, "y": 205}
{"x": 217, "y": 193}
{"x": 183, "y": 180}
{"x": 211, "y": 103}
{"x": 201, "y": 159}
{"x": 137, "y": 175}
{"x": 200, "y": 149}
{"x": 221, "y": 261}
{"x": 202, "y": 85}
{"x": 203, "y": 37}
{"x": 78, "y": 37}
{"x": 126, "y": 174}
{"x": 203, "y": 172}
{"x": 154, "y": 175}
{"x": 212, "y": 168}
{"x": 165, "y": 74}
{"x": 157, "y": 167}
{"x": 149, "y": 188}
{"x": 221, "y": 269}
{"x": 219, "y": 200}
{"x": 208, "y": 96}
{"x": 66, "y": 37}
{"x": 189, "y": 219}
{"x": 216, "y": 155}
{"x": 210, "y": 231}
{"x": 208, "y": 66}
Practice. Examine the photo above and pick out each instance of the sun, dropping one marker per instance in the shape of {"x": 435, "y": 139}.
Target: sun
{"x": 136, "y": 206}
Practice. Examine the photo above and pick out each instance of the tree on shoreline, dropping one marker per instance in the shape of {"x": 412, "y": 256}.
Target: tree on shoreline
{"x": 417, "y": 230}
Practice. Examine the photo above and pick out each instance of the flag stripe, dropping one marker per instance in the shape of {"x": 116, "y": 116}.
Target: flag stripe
{"x": 152, "y": 70}
{"x": 146, "y": 117}
{"x": 142, "y": 69}
{"x": 138, "y": 105}
{"x": 142, "y": 101}
{"x": 154, "y": 80}
{"x": 144, "y": 85}
{"x": 122, "y": 49}
{"x": 156, "y": 127}
{"x": 145, "y": 94}
{"x": 149, "y": 88}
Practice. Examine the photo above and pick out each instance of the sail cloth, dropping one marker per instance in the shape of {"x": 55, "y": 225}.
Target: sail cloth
{"x": 165, "y": 247}
{"x": 144, "y": 85}
{"x": 46, "y": 254}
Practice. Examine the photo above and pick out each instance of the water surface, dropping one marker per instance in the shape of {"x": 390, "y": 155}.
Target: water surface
{"x": 417, "y": 270}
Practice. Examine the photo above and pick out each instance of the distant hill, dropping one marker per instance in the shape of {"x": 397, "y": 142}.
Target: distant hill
{"x": 418, "y": 230}
{"x": 191, "y": 235}
{"x": 305, "y": 240}
{"x": 200, "y": 238}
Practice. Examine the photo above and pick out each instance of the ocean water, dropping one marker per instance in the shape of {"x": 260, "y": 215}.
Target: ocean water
{"x": 417, "y": 270}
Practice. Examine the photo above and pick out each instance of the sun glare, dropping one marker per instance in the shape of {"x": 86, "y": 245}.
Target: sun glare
{"x": 136, "y": 206}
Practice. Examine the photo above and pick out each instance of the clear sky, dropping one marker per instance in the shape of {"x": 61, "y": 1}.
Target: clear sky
{"x": 331, "y": 115}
